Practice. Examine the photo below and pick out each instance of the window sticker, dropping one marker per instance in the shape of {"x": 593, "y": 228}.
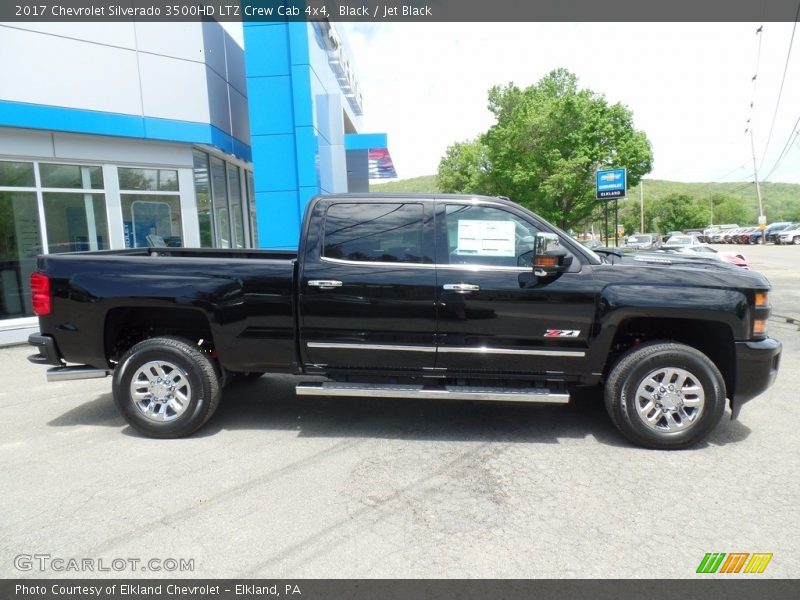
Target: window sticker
{"x": 485, "y": 238}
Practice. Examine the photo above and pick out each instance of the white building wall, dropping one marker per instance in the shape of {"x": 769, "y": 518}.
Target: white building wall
{"x": 182, "y": 72}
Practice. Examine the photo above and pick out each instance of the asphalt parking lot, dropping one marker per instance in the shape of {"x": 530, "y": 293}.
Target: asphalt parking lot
{"x": 281, "y": 486}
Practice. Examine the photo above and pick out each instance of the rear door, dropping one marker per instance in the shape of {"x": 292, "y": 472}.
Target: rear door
{"x": 367, "y": 288}
{"x": 495, "y": 315}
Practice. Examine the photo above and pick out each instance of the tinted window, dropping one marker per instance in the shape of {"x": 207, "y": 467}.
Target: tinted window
{"x": 16, "y": 174}
{"x": 71, "y": 176}
{"x": 484, "y": 235}
{"x": 373, "y": 232}
{"x": 155, "y": 180}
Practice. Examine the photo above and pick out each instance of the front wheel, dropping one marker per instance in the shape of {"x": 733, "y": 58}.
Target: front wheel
{"x": 166, "y": 387}
{"x": 796, "y": 240}
{"x": 665, "y": 395}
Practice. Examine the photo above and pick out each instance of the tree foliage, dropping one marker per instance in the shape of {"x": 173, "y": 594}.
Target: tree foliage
{"x": 545, "y": 146}
{"x": 677, "y": 212}
{"x": 464, "y": 168}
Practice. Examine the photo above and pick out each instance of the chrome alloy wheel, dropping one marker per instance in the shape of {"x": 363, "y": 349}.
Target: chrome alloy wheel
{"x": 670, "y": 399}
{"x": 161, "y": 391}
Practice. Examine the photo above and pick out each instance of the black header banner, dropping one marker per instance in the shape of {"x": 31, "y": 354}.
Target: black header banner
{"x": 389, "y": 11}
{"x": 709, "y": 588}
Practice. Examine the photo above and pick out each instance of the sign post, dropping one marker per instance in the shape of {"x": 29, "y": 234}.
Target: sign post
{"x": 611, "y": 184}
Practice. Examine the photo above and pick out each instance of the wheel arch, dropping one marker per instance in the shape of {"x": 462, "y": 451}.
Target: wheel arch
{"x": 127, "y": 326}
{"x": 712, "y": 338}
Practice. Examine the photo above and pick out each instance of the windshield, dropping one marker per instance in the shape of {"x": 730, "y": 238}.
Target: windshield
{"x": 639, "y": 239}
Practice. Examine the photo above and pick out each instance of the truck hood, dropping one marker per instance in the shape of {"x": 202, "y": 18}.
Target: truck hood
{"x": 677, "y": 269}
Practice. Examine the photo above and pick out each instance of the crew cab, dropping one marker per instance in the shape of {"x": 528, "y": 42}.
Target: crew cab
{"x": 412, "y": 296}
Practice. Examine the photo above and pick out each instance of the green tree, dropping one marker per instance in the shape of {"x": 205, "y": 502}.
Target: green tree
{"x": 464, "y": 168}
{"x": 547, "y": 143}
{"x": 676, "y": 212}
{"x": 731, "y": 210}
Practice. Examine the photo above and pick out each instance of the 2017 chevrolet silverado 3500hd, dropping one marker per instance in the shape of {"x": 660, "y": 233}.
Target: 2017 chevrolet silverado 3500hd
{"x": 412, "y": 296}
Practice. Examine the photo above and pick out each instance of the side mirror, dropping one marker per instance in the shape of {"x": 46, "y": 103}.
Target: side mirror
{"x": 549, "y": 257}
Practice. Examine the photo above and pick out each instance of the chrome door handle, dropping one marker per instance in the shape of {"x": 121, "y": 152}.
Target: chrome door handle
{"x": 325, "y": 284}
{"x": 461, "y": 288}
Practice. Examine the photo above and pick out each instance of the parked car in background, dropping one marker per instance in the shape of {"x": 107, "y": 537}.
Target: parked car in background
{"x": 681, "y": 240}
{"x": 734, "y": 258}
{"x": 718, "y": 235}
{"x": 592, "y": 244}
{"x": 643, "y": 241}
{"x": 775, "y": 229}
{"x": 670, "y": 234}
{"x": 790, "y": 235}
{"x": 745, "y": 236}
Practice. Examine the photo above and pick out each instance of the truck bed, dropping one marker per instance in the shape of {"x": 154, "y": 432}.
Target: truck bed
{"x": 244, "y": 298}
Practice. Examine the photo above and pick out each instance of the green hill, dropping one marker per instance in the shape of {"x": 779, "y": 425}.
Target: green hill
{"x": 424, "y": 184}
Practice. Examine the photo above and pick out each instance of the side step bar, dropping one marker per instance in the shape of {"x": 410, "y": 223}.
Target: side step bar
{"x": 77, "y": 372}
{"x": 450, "y": 392}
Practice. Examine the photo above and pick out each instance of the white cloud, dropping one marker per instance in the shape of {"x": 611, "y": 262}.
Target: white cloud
{"x": 688, "y": 85}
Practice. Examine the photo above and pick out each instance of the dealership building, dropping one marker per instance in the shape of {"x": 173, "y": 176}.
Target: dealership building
{"x": 124, "y": 135}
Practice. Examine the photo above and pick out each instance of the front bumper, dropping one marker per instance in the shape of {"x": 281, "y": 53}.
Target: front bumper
{"x": 756, "y": 369}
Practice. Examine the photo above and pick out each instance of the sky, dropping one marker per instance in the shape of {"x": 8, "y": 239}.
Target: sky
{"x": 689, "y": 86}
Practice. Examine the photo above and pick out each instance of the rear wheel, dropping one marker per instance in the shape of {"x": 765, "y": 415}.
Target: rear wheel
{"x": 665, "y": 395}
{"x": 796, "y": 240}
{"x": 166, "y": 387}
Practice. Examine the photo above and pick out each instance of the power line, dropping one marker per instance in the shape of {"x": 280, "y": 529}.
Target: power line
{"x": 731, "y": 172}
{"x": 780, "y": 91}
{"x": 786, "y": 148}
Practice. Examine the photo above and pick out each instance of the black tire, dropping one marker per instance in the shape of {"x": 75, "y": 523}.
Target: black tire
{"x": 635, "y": 368}
{"x": 194, "y": 371}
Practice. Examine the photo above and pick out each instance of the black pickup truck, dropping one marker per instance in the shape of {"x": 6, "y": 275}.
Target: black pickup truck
{"x": 405, "y": 296}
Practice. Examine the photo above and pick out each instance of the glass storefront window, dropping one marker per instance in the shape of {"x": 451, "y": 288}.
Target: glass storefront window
{"x": 154, "y": 180}
{"x": 203, "y": 196}
{"x": 151, "y": 220}
{"x": 224, "y": 202}
{"x": 16, "y": 174}
{"x": 235, "y": 191}
{"x": 20, "y": 244}
{"x": 75, "y": 222}
{"x": 219, "y": 189}
{"x": 251, "y": 199}
{"x": 77, "y": 177}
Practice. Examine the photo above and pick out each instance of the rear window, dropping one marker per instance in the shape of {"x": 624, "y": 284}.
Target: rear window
{"x": 374, "y": 232}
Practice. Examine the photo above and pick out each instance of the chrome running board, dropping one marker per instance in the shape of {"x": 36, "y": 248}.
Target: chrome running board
{"x": 450, "y": 392}
{"x": 79, "y": 372}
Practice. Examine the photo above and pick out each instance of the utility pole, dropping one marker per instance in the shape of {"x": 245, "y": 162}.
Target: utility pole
{"x": 758, "y": 187}
{"x": 641, "y": 205}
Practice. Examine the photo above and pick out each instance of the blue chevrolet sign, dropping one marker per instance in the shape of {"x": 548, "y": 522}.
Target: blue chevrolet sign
{"x": 611, "y": 183}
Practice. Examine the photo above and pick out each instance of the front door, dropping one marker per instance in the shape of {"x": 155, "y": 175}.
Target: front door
{"x": 495, "y": 315}
{"x": 367, "y": 291}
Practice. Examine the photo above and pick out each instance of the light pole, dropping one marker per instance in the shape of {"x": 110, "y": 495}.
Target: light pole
{"x": 641, "y": 206}
{"x": 761, "y": 219}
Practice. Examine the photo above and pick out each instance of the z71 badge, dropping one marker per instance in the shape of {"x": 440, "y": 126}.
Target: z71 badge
{"x": 562, "y": 333}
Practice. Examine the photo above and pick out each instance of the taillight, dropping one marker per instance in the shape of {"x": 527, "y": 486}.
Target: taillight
{"x": 40, "y": 294}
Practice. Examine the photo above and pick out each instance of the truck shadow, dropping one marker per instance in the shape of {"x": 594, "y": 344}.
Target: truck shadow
{"x": 270, "y": 403}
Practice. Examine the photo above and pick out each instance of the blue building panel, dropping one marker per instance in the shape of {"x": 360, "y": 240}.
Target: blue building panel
{"x": 267, "y": 51}
{"x": 276, "y": 115}
{"x": 307, "y": 157}
{"x": 302, "y": 96}
{"x": 281, "y": 222}
{"x": 76, "y": 120}
{"x": 276, "y": 158}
